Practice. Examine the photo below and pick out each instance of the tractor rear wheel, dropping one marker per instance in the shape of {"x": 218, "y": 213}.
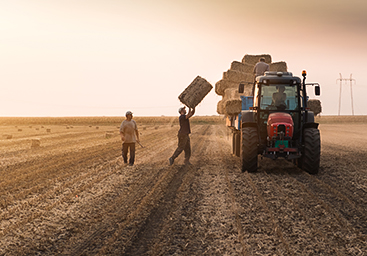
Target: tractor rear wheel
{"x": 310, "y": 161}
{"x": 238, "y": 144}
{"x": 249, "y": 149}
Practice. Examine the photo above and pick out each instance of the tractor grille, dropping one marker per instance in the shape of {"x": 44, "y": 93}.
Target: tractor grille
{"x": 281, "y": 128}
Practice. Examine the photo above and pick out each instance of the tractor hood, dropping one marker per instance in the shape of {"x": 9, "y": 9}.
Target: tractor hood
{"x": 280, "y": 122}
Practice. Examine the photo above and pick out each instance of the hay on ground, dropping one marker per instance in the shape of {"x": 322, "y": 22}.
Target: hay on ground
{"x": 315, "y": 106}
{"x": 253, "y": 59}
{"x": 195, "y": 92}
{"x": 36, "y": 143}
{"x": 280, "y": 66}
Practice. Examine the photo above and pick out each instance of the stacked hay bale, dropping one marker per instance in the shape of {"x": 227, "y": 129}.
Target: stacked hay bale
{"x": 315, "y": 106}
{"x": 227, "y": 87}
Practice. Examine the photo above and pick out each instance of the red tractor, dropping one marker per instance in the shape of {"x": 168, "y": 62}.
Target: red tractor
{"x": 280, "y": 124}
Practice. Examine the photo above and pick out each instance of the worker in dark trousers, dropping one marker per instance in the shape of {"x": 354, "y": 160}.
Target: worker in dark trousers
{"x": 129, "y": 136}
{"x": 183, "y": 136}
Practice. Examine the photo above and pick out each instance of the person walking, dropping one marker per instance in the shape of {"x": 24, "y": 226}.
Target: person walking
{"x": 129, "y": 136}
{"x": 183, "y": 136}
{"x": 261, "y": 67}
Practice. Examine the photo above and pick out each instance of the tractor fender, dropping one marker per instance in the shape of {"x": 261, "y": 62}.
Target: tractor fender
{"x": 249, "y": 124}
{"x": 247, "y": 116}
{"x": 311, "y": 125}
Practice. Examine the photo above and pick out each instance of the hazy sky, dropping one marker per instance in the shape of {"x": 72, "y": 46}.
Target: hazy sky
{"x": 104, "y": 57}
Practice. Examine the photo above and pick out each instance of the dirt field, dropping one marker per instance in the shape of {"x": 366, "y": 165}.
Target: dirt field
{"x": 72, "y": 195}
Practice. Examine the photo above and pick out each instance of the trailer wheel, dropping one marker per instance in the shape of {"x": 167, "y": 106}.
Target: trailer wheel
{"x": 249, "y": 149}
{"x": 238, "y": 144}
{"x": 310, "y": 161}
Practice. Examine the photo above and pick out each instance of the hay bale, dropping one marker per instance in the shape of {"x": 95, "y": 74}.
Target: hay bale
{"x": 48, "y": 130}
{"x": 280, "y": 66}
{"x": 19, "y": 130}
{"x": 222, "y": 85}
{"x": 109, "y": 134}
{"x": 220, "y": 107}
{"x": 231, "y": 93}
{"x": 195, "y": 92}
{"x": 315, "y": 106}
{"x": 253, "y": 59}
{"x": 242, "y": 67}
{"x": 237, "y": 76}
{"x": 232, "y": 107}
{"x": 7, "y": 136}
{"x": 36, "y": 143}
{"x": 97, "y": 127}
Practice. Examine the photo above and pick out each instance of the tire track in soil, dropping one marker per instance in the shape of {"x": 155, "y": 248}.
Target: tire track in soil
{"x": 124, "y": 223}
{"x": 141, "y": 241}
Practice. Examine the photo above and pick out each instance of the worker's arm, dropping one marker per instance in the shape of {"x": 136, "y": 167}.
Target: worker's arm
{"x": 191, "y": 113}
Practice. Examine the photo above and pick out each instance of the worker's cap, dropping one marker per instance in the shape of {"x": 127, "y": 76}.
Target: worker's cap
{"x": 129, "y": 113}
{"x": 180, "y": 109}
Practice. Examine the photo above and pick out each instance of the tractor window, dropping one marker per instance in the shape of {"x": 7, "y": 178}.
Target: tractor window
{"x": 279, "y": 97}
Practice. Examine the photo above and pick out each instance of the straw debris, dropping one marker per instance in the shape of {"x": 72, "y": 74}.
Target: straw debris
{"x": 315, "y": 106}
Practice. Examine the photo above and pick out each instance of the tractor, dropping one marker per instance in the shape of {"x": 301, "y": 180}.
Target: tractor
{"x": 278, "y": 124}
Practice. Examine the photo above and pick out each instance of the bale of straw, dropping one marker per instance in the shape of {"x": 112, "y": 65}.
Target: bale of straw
{"x": 253, "y": 59}
{"x": 242, "y": 67}
{"x": 232, "y": 107}
{"x": 97, "y": 127}
{"x": 222, "y": 85}
{"x": 315, "y": 106}
{"x": 195, "y": 92}
{"x": 48, "y": 130}
{"x": 109, "y": 134}
{"x": 237, "y": 76}
{"x": 280, "y": 66}
{"x": 231, "y": 93}
{"x": 19, "y": 130}
{"x": 220, "y": 107}
{"x": 36, "y": 143}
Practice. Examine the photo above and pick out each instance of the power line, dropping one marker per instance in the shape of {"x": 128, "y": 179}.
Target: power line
{"x": 346, "y": 80}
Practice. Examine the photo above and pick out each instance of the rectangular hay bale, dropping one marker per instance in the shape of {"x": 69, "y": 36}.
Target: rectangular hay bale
{"x": 242, "y": 67}
{"x": 222, "y": 85}
{"x": 195, "y": 92}
{"x": 233, "y": 107}
{"x": 280, "y": 66}
{"x": 237, "y": 76}
{"x": 253, "y": 59}
{"x": 220, "y": 107}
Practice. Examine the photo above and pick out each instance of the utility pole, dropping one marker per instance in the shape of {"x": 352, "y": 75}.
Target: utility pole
{"x": 345, "y": 80}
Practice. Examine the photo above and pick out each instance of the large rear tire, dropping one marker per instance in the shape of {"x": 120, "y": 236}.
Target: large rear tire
{"x": 249, "y": 149}
{"x": 310, "y": 161}
{"x": 238, "y": 144}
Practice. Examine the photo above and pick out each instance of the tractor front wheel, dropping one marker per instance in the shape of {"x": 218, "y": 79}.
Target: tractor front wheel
{"x": 310, "y": 160}
{"x": 249, "y": 149}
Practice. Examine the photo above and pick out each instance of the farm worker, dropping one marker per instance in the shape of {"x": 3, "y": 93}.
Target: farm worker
{"x": 183, "y": 136}
{"x": 129, "y": 135}
{"x": 261, "y": 67}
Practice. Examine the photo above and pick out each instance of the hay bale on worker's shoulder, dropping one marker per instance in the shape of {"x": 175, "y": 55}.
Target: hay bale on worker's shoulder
{"x": 315, "y": 106}
{"x": 220, "y": 107}
{"x": 253, "y": 59}
{"x": 237, "y": 76}
{"x": 232, "y": 107}
{"x": 280, "y": 66}
{"x": 195, "y": 92}
{"x": 222, "y": 85}
{"x": 242, "y": 67}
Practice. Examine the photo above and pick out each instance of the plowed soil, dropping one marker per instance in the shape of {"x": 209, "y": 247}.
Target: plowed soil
{"x": 73, "y": 195}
